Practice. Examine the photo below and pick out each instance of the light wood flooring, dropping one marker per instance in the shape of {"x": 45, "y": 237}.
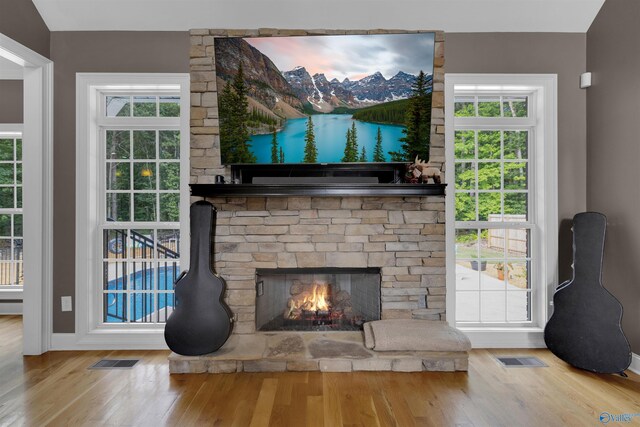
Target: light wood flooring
{"x": 57, "y": 389}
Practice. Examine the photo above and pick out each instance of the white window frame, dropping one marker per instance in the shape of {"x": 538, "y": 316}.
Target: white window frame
{"x": 90, "y": 332}
{"x": 543, "y": 194}
{"x": 12, "y": 292}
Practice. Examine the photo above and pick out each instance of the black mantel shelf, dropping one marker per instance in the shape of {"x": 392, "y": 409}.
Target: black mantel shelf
{"x": 316, "y": 190}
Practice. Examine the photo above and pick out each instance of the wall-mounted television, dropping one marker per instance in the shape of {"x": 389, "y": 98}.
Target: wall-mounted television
{"x": 325, "y": 98}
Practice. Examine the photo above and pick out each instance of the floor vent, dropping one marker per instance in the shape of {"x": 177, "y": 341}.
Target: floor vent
{"x": 114, "y": 364}
{"x": 521, "y": 362}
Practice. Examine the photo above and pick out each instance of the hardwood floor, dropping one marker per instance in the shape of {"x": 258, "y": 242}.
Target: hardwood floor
{"x": 57, "y": 389}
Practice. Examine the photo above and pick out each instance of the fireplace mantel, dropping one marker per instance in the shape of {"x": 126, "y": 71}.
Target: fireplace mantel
{"x": 316, "y": 190}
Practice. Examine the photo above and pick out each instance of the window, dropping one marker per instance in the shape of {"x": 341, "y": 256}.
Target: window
{"x": 135, "y": 165}
{"x": 500, "y": 149}
{"x": 11, "y": 241}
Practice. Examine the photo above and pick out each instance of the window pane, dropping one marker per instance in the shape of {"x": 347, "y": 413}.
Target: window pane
{"x": 144, "y": 176}
{"x": 517, "y": 275}
{"x": 141, "y": 243}
{"x": 465, "y": 145}
{"x": 170, "y": 176}
{"x": 6, "y": 149}
{"x": 115, "y": 276}
{"x": 515, "y": 106}
{"x": 144, "y": 106}
{"x": 142, "y": 307}
{"x": 17, "y": 225}
{"x": 6, "y": 174}
{"x": 170, "y": 207}
{"x": 118, "y": 207}
{"x": 6, "y": 198}
{"x": 118, "y": 176}
{"x": 464, "y": 106}
{"x": 515, "y": 144}
{"x": 468, "y": 275}
{"x": 168, "y": 244}
{"x": 5, "y": 225}
{"x": 5, "y": 249}
{"x": 17, "y": 248}
{"x": 466, "y": 243}
{"x": 144, "y": 144}
{"x": 465, "y": 176}
{"x": 19, "y": 149}
{"x": 488, "y": 106}
{"x": 489, "y": 279}
{"x": 115, "y": 244}
{"x": 115, "y": 307}
{"x": 118, "y": 106}
{"x": 489, "y": 176}
{"x": 143, "y": 275}
{"x": 18, "y": 173}
{"x": 144, "y": 207}
{"x": 169, "y": 106}
{"x": 493, "y": 306}
{"x": 492, "y": 243}
{"x": 515, "y": 176}
{"x": 489, "y": 207}
{"x": 489, "y": 144}
{"x": 118, "y": 144}
{"x": 516, "y": 204}
{"x": 517, "y": 240}
{"x": 169, "y": 144}
{"x": 518, "y": 306}
{"x": 468, "y": 306}
{"x": 465, "y": 207}
{"x": 19, "y": 197}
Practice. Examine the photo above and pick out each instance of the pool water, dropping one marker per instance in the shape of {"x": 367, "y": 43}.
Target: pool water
{"x": 141, "y": 305}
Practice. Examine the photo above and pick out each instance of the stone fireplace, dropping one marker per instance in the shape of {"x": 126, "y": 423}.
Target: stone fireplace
{"x": 290, "y": 247}
{"x": 316, "y": 299}
{"x": 401, "y": 237}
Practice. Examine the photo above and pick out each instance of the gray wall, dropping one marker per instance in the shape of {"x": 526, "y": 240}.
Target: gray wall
{"x": 20, "y": 21}
{"x": 11, "y": 103}
{"x": 74, "y": 52}
{"x": 614, "y": 150}
{"x": 556, "y": 53}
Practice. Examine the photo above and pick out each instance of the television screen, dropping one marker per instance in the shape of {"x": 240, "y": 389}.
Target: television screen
{"x": 324, "y": 99}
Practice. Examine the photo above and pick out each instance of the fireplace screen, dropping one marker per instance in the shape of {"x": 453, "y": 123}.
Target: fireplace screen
{"x": 324, "y": 299}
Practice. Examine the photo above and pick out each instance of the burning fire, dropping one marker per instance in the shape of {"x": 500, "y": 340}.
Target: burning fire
{"x": 314, "y": 299}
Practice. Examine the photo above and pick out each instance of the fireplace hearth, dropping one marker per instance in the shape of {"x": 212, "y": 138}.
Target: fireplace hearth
{"x": 318, "y": 299}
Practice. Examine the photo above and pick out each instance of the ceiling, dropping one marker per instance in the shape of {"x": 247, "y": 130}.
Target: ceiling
{"x": 448, "y": 15}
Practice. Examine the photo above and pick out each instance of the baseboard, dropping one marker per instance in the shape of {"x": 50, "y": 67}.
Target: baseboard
{"x": 11, "y": 308}
{"x": 109, "y": 341}
{"x": 505, "y": 338}
{"x": 635, "y": 364}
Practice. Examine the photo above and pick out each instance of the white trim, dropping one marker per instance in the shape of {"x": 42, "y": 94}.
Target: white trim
{"x": 545, "y": 184}
{"x": 89, "y": 86}
{"x": 635, "y": 364}
{"x": 11, "y": 308}
{"x": 38, "y": 192}
{"x": 505, "y": 338}
{"x": 11, "y": 294}
{"x": 109, "y": 340}
{"x": 13, "y": 129}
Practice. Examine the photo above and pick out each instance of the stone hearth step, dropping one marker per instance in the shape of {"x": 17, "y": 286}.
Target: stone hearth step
{"x": 312, "y": 351}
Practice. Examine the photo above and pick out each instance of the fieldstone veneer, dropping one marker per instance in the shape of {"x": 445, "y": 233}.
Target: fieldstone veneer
{"x": 404, "y": 236}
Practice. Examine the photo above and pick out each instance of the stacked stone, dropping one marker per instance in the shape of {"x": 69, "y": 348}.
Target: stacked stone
{"x": 404, "y": 236}
{"x": 205, "y": 130}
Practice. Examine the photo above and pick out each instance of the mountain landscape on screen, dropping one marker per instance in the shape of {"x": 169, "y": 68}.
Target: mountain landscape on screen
{"x": 329, "y": 99}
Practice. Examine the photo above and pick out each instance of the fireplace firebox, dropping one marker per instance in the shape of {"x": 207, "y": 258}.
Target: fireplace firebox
{"x": 316, "y": 299}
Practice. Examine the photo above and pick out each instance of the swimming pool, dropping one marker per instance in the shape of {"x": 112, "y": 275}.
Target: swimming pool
{"x": 144, "y": 302}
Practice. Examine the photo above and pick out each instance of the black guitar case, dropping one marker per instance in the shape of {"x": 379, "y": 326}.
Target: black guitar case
{"x": 201, "y": 321}
{"x": 585, "y": 328}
